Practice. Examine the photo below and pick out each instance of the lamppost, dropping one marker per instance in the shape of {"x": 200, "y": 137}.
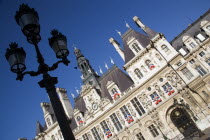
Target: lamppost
{"x": 28, "y": 20}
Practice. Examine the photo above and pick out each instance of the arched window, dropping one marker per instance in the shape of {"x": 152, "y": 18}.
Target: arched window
{"x": 48, "y": 121}
{"x": 138, "y": 73}
{"x": 165, "y": 48}
{"x": 208, "y": 61}
{"x": 79, "y": 120}
{"x": 149, "y": 64}
{"x": 114, "y": 91}
{"x": 136, "y": 47}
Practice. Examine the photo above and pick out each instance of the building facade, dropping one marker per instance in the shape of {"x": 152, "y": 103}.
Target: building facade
{"x": 164, "y": 93}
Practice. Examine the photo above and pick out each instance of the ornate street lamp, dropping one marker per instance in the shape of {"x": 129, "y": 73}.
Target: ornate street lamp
{"x": 28, "y": 20}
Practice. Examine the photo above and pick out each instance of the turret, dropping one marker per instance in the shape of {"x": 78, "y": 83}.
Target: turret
{"x": 89, "y": 75}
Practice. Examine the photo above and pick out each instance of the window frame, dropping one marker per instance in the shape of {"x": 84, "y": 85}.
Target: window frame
{"x": 138, "y": 107}
{"x": 153, "y": 130}
{"x": 95, "y": 134}
{"x": 116, "y": 122}
{"x": 186, "y": 72}
{"x": 139, "y": 136}
{"x": 138, "y": 73}
{"x": 200, "y": 70}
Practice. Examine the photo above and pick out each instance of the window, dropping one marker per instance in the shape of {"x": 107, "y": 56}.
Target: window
{"x": 48, "y": 121}
{"x": 187, "y": 73}
{"x": 204, "y": 93}
{"x": 165, "y": 48}
{"x": 156, "y": 98}
{"x": 114, "y": 91}
{"x": 168, "y": 89}
{"x": 85, "y": 137}
{"x": 149, "y": 64}
{"x": 192, "y": 45}
{"x": 200, "y": 70}
{"x": 138, "y": 73}
{"x": 200, "y": 37}
{"x": 53, "y": 137}
{"x": 153, "y": 130}
{"x": 201, "y": 53}
{"x": 115, "y": 94}
{"x": 208, "y": 61}
{"x": 137, "y": 106}
{"x": 179, "y": 64}
{"x": 95, "y": 134}
{"x": 192, "y": 61}
{"x": 106, "y": 129}
{"x": 79, "y": 120}
{"x": 116, "y": 122}
{"x": 136, "y": 47}
{"x": 139, "y": 136}
{"x": 126, "y": 114}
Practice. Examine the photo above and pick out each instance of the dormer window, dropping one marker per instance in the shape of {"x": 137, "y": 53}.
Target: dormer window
{"x": 149, "y": 64}
{"x": 48, "y": 121}
{"x": 113, "y": 90}
{"x": 136, "y": 47}
{"x": 200, "y": 37}
{"x": 165, "y": 48}
{"x": 115, "y": 93}
{"x": 138, "y": 73}
{"x": 79, "y": 120}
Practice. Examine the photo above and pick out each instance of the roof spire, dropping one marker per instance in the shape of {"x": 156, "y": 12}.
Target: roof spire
{"x": 119, "y": 33}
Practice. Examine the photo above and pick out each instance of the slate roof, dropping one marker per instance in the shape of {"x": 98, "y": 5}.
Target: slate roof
{"x": 122, "y": 80}
{"x": 114, "y": 74}
{"x": 39, "y": 128}
{"x": 191, "y": 31}
{"x": 144, "y": 40}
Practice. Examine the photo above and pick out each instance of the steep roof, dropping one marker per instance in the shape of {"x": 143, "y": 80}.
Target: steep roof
{"x": 191, "y": 31}
{"x": 122, "y": 80}
{"x": 39, "y": 128}
{"x": 141, "y": 38}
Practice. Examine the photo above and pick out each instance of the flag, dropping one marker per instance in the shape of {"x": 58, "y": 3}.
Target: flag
{"x": 106, "y": 65}
{"x": 129, "y": 118}
{"x": 118, "y": 32}
{"x": 108, "y": 133}
{"x": 72, "y": 95}
{"x": 127, "y": 25}
{"x": 112, "y": 61}
{"x": 100, "y": 70}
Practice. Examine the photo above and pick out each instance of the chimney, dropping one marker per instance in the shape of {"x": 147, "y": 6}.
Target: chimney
{"x": 117, "y": 47}
{"x": 65, "y": 101}
{"x": 139, "y": 23}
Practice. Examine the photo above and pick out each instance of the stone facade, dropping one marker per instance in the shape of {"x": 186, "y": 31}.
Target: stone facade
{"x": 166, "y": 94}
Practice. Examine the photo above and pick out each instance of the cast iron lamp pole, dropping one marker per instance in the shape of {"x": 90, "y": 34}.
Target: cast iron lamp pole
{"x": 28, "y": 20}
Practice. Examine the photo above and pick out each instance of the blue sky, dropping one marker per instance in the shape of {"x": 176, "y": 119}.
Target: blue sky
{"x": 88, "y": 24}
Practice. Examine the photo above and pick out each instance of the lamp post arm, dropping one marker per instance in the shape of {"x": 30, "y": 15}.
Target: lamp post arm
{"x": 55, "y": 65}
{"x": 20, "y": 76}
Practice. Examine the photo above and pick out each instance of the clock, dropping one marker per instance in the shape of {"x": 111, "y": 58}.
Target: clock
{"x": 94, "y": 106}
